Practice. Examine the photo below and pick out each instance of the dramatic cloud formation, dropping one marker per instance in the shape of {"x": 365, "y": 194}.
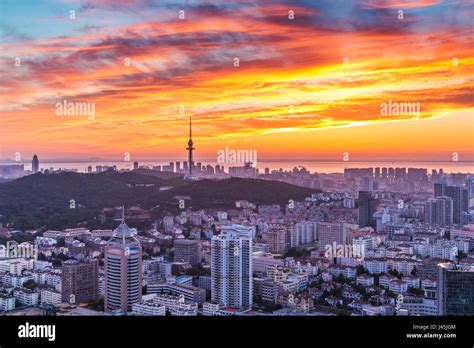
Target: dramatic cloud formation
{"x": 288, "y": 78}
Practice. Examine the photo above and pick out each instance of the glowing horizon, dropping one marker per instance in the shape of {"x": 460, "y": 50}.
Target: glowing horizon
{"x": 308, "y": 87}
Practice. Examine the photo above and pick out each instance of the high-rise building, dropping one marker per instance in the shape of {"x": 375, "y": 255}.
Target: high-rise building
{"x": 469, "y": 187}
{"x": 460, "y": 197}
{"x": 381, "y": 217}
{"x": 231, "y": 267}
{"x": 439, "y": 211}
{"x": 123, "y": 270}
{"x": 439, "y": 189}
{"x": 367, "y": 207}
{"x": 79, "y": 281}
{"x": 89, "y": 169}
{"x": 35, "y": 164}
{"x": 209, "y": 169}
{"x": 135, "y": 165}
{"x": 187, "y": 250}
{"x": 417, "y": 174}
{"x": 276, "y": 239}
{"x": 330, "y": 232}
{"x": 302, "y": 233}
{"x": 400, "y": 173}
{"x": 455, "y": 289}
{"x": 367, "y": 183}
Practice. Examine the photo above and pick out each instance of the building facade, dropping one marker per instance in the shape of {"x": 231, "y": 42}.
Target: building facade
{"x": 123, "y": 271}
{"x": 231, "y": 267}
{"x": 455, "y": 289}
{"x": 80, "y": 281}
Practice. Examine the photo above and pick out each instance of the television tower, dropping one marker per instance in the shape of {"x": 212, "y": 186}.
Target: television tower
{"x": 190, "y": 149}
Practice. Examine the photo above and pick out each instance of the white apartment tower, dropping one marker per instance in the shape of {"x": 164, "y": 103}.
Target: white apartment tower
{"x": 231, "y": 267}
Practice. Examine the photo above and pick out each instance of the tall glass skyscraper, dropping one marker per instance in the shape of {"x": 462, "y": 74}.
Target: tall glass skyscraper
{"x": 367, "y": 207}
{"x": 460, "y": 197}
{"x": 439, "y": 211}
{"x": 455, "y": 289}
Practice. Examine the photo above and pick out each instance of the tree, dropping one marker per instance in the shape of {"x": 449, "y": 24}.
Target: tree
{"x": 376, "y": 279}
{"x": 21, "y": 237}
{"x": 63, "y": 257}
{"x": 416, "y": 291}
{"x": 394, "y": 272}
{"x": 336, "y": 292}
{"x": 296, "y": 252}
{"x": 360, "y": 289}
{"x": 461, "y": 255}
{"x": 271, "y": 307}
{"x": 30, "y": 284}
{"x": 98, "y": 305}
{"x": 360, "y": 270}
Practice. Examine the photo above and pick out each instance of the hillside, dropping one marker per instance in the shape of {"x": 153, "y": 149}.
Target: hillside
{"x": 223, "y": 193}
{"x": 161, "y": 175}
{"x": 39, "y": 199}
{"x": 44, "y": 200}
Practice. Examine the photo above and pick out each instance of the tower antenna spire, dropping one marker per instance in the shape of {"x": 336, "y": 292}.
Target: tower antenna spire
{"x": 190, "y": 132}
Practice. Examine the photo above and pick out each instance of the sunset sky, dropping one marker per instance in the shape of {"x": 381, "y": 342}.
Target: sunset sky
{"x": 309, "y": 87}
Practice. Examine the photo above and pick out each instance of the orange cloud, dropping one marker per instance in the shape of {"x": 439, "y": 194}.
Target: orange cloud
{"x": 295, "y": 81}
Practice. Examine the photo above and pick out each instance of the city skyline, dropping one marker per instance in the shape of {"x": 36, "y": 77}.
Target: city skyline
{"x": 187, "y": 166}
{"x": 148, "y": 70}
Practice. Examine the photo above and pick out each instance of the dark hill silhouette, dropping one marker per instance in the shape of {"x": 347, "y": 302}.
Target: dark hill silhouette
{"x": 44, "y": 200}
{"x": 210, "y": 193}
